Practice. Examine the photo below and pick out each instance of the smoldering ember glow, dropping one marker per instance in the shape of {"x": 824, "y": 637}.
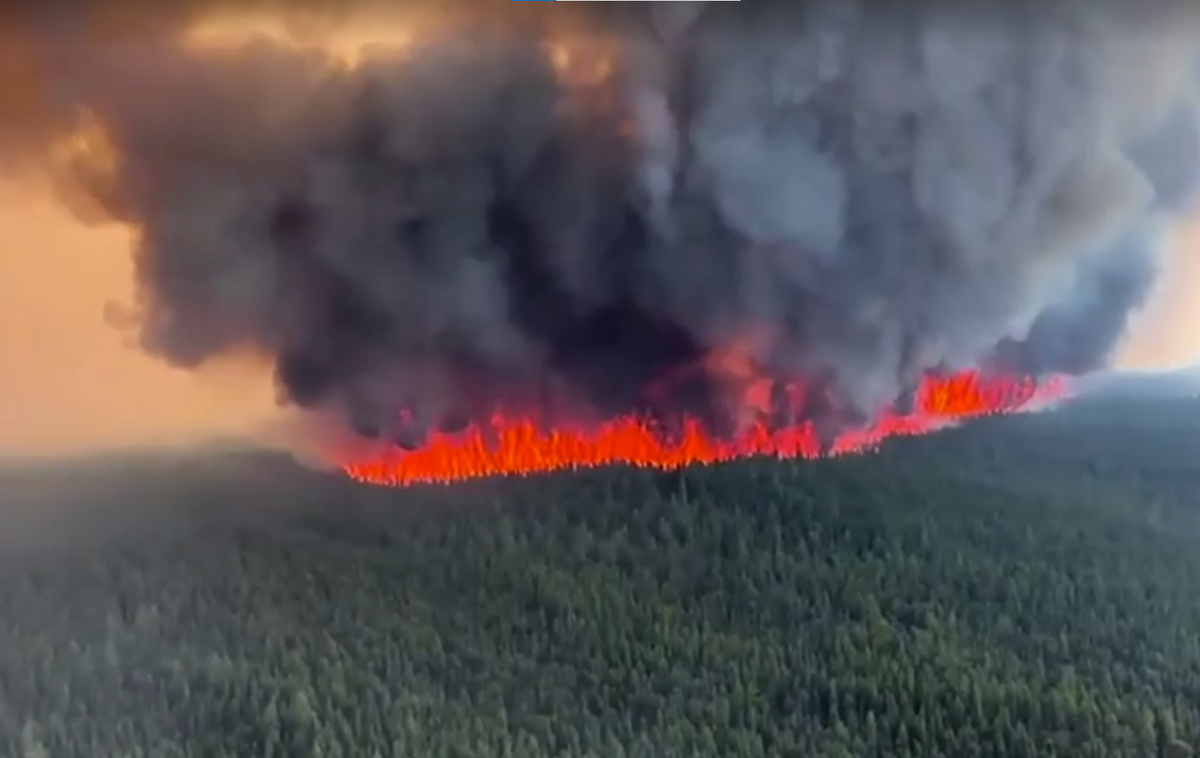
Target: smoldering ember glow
{"x": 682, "y": 231}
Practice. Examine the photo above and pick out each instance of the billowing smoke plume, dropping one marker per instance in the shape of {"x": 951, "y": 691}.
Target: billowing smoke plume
{"x": 570, "y": 208}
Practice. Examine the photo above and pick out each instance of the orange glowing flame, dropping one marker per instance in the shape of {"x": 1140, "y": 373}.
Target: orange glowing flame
{"x": 519, "y": 447}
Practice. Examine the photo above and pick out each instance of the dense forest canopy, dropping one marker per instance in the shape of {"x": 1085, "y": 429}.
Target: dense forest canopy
{"x": 1021, "y": 587}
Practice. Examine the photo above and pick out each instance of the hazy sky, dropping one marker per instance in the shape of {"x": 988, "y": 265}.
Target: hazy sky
{"x": 70, "y": 382}
{"x": 1167, "y": 333}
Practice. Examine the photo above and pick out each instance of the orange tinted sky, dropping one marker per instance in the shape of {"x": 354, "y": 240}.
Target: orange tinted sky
{"x": 68, "y": 381}
{"x": 1166, "y": 334}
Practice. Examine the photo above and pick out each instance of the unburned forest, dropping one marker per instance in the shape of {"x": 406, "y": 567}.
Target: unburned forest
{"x": 1020, "y": 587}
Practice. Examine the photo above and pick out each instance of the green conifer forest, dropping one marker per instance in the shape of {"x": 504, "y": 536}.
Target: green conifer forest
{"x": 1022, "y": 587}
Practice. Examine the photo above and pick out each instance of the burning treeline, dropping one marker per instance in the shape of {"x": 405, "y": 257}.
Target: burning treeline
{"x": 787, "y": 220}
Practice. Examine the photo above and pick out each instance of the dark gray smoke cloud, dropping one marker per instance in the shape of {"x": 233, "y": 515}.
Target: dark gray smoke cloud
{"x": 870, "y": 191}
{"x": 1075, "y": 334}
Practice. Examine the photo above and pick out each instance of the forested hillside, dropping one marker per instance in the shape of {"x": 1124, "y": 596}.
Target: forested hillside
{"x": 1023, "y": 587}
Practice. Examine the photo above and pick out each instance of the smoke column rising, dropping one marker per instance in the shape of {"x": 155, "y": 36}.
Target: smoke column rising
{"x": 562, "y": 208}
